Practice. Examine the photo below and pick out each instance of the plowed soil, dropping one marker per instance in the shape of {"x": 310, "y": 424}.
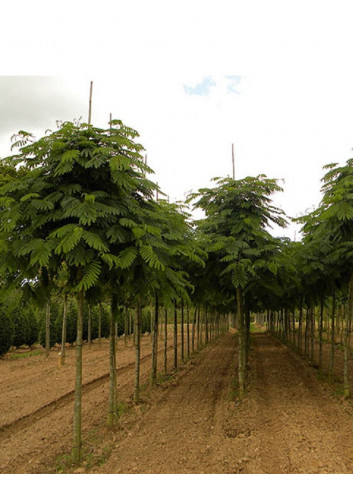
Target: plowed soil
{"x": 289, "y": 422}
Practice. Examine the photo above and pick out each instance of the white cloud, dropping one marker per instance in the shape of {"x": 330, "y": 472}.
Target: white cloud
{"x": 293, "y": 112}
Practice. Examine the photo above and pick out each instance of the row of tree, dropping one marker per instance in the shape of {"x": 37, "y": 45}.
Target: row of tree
{"x": 79, "y": 220}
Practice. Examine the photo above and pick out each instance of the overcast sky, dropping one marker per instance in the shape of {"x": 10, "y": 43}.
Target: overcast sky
{"x": 273, "y": 77}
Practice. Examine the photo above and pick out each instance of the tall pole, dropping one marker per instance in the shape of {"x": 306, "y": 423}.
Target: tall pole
{"x": 233, "y": 161}
{"x": 90, "y": 103}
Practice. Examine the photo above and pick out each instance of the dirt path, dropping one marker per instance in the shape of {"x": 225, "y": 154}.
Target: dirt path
{"x": 294, "y": 424}
{"x": 183, "y": 431}
{"x": 289, "y": 422}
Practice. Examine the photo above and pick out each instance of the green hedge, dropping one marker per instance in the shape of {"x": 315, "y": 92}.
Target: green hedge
{"x": 6, "y": 332}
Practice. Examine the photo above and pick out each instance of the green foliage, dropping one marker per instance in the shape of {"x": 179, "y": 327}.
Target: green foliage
{"x": 6, "y": 332}
{"x": 25, "y": 327}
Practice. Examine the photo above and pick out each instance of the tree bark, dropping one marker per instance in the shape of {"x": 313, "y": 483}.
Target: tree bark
{"x": 193, "y": 330}
{"x": 312, "y": 332}
{"x": 155, "y": 342}
{"x": 126, "y": 326}
{"x": 165, "y": 340}
{"x": 47, "y": 329}
{"x": 241, "y": 342}
{"x": 89, "y": 328}
{"x": 113, "y": 403}
{"x": 63, "y": 333}
{"x": 100, "y": 324}
{"x": 300, "y": 326}
{"x": 347, "y": 334}
{"x": 332, "y": 352}
{"x": 182, "y": 331}
{"x": 320, "y": 333}
{"x": 175, "y": 335}
{"x": 137, "y": 331}
{"x": 77, "y": 443}
{"x": 188, "y": 329}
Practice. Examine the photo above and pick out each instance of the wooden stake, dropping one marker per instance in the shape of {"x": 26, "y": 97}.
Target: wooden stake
{"x": 233, "y": 161}
{"x": 90, "y": 103}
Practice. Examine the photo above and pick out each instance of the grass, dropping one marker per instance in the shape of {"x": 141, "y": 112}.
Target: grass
{"x": 15, "y": 356}
{"x": 256, "y": 329}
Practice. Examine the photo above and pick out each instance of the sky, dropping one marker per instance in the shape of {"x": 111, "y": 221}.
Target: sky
{"x": 274, "y": 78}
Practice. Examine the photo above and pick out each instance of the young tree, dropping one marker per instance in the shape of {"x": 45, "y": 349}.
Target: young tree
{"x": 237, "y": 214}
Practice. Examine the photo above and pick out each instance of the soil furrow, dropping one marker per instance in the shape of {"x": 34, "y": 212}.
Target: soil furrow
{"x": 27, "y": 420}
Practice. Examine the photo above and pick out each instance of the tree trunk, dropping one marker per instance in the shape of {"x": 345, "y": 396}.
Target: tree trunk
{"x": 312, "y": 332}
{"x": 206, "y": 327}
{"x": 347, "y": 334}
{"x": 113, "y": 403}
{"x": 300, "y": 326}
{"x": 89, "y": 328}
{"x": 165, "y": 340}
{"x": 188, "y": 329}
{"x": 100, "y": 324}
{"x": 182, "y": 331}
{"x": 247, "y": 335}
{"x": 306, "y": 334}
{"x": 76, "y": 449}
{"x": 63, "y": 333}
{"x": 126, "y": 326}
{"x": 332, "y": 352}
{"x": 155, "y": 343}
{"x": 198, "y": 328}
{"x": 175, "y": 335}
{"x": 241, "y": 342}
{"x": 137, "y": 331}
{"x": 193, "y": 328}
{"x": 320, "y": 333}
{"x": 47, "y": 329}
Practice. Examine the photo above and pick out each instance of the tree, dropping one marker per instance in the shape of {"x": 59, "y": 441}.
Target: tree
{"x": 73, "y": 205}
{"x": 237, "y": 214}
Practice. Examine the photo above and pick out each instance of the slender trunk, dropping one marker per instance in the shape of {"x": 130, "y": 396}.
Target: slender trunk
{"x": 137, "y": 332}
{"x": 198, "y": 328}
{"x": 113, "y": 402}
{"x": 100, "y": 324}
{"x": 241, "y": 342}
{"x": 155, "y": 343}
{"x": 182, "y": 331}
{"x": 63, "y": 333}
{"x": 188, "y": 329}
{"x": 165, "y": 340}
{"x": 306, "y": 334}
{"x": 76, "y": 449}
{"x": 206, "y": 327}
{"x": 193, "y": 328}
{"x": 47, "y": 329}
{"x": 312, "y": 333}
{"x": 130, "y": 326}
{"x": 300, "y": 326}
{"x": 89, "y": 328}
{"x": 347, "y": 334}
{"x": 126, "y": 326}
{"x": 247, "y": 335}
{"x": 175, "y": 335}
{"x": 332, "y": 352}
{"x": 320, "y": 333}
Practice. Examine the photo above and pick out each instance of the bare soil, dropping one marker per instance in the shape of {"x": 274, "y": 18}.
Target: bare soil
{"x": 193, "y": 422}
